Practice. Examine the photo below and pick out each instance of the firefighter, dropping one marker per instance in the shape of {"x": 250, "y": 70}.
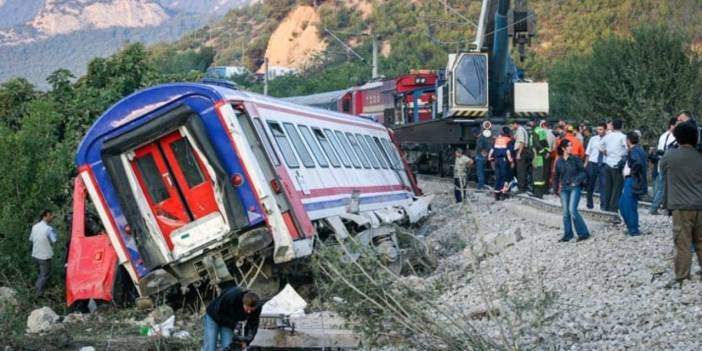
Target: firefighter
{"x": 539, "y": 145}
{"x": 503, "y": 158}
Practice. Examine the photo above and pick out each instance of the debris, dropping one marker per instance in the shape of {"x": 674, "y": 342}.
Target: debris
{"x": 163, "y": 329}
{"x": 74, "y": 318}
{"x": 7, "y": 297}
{"x": 160, "y": 314}
{"x": 488, "y": 310}
{"x": 183, "y": 334}
{"x": 288, "y": 302}
{"x": 92, "y": 306}
{"x": 144, "y": 303}
{"x": 41, "y": 320}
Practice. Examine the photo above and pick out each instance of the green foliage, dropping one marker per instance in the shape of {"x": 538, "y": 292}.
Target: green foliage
{"x": 172, "y": 61}
{"x": 39, "y": 135}
{"x": 643, "y": 79}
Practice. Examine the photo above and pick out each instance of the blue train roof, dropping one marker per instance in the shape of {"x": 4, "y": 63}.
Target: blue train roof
{"x": 140, "y": 103}
{"x": 127, "y": 112}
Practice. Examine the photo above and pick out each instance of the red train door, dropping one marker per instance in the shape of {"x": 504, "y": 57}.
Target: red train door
{"x": 175, "y": 183}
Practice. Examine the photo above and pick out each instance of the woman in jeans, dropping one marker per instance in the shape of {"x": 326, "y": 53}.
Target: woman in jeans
{"x": 570, "y": 176}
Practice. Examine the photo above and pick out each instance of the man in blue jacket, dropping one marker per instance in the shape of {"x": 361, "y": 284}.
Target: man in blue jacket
{"x": 635, "y": 183}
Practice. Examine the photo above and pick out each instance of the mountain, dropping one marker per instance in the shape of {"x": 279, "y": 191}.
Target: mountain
{"x": 38, "y": 37}
{"x": 420, "y": 34}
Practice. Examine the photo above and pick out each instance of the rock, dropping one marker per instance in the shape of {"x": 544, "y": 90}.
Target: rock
{"x": 87, "y": 348}
{"x": 161, "y": 313}
{"x": 497, "y": 242}
{"x": 489, "y": 310}
{"x": 74, "y": 318}
{"x": 7, "y": 297}
{"x": 41, "y": 320}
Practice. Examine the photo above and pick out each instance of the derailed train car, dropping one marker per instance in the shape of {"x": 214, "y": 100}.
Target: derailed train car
{"x": 187, "y": 183}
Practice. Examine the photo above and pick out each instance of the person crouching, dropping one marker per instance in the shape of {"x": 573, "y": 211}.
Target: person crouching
{"x": 223, "y": 315}
{"x": 569, "y": 177}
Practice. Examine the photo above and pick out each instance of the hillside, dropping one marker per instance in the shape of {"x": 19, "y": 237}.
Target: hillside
{"x": 419, "y": 34}
{"x": 38, "y": 37}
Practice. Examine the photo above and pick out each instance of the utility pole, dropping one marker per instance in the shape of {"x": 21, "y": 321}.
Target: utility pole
{"x": 243, "y": 52}
{"x": 265, "y": 77}
{"x": 375, "y": 55}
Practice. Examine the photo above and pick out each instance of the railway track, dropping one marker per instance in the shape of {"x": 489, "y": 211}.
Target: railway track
{"x": 543, "y": 205}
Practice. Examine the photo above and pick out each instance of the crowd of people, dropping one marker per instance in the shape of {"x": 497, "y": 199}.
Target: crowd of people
{"x": 564, "y": 159}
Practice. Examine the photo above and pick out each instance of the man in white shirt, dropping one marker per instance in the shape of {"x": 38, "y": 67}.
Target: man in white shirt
{"x": 43, "y": 236}
{"x": 593, "y": 161}
{"x": 615, "y": 150}
{"x": 665, "y": 142}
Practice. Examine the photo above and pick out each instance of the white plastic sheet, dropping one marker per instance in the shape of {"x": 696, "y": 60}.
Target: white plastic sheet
{"x": 288, "y": 302}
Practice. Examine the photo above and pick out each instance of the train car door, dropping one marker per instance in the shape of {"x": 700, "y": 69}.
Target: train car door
{"x": 175, "y": 183}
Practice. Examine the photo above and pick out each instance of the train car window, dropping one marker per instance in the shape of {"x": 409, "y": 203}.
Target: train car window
{"x": 284, "y": 145}
{"x": 367, "y": 151}
{"x": 376, "y": 149}
{"x": 305, "y": 156}
{"x": 397, "y": 163}
{"x": 347, "y": 147}
{"x": 357, "y": 148}
{"x": 327, "y": 147}
{"x": 152, "y": 178}
{"x": 313, "y": 145}
{"x": 188, "y": 164}
{"x": 266, "y": 142}
{"x": 338, "y": 148}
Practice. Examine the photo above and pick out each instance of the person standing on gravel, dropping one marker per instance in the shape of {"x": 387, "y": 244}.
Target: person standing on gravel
{"x": 224, "y": 313}
{"x": 521, "y": 154}
{"x": 482, "y": 148}
{"x": 460, "y": 175}
{"x": 682, "y": 172}
{"x": 635, "y": 183}
{"x": 43, "y": 236}
{"x": 569, "y": 178}
{"x": 665, "y": 141}
{"x": 593, "y": 161}
{"x": 502, "y": 156}
{"x": 614, "y": 147}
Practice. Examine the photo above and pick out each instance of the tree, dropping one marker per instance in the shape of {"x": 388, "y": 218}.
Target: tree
{"x": 15, "y": 97}
{"x": 643, "y": 79}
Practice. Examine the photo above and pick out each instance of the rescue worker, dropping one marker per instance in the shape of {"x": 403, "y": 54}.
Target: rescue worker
{"x": 43, "y": 236}
{"x": 503, "y": 157}
{"x": 224, "y": 313}
{"x": 539, "y": 145}
{"x": 460, "y": 174}
{"x": 578, "y": 149}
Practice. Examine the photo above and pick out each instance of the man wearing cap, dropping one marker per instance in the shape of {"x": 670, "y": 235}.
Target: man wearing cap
{"x": 482, "y": 149}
